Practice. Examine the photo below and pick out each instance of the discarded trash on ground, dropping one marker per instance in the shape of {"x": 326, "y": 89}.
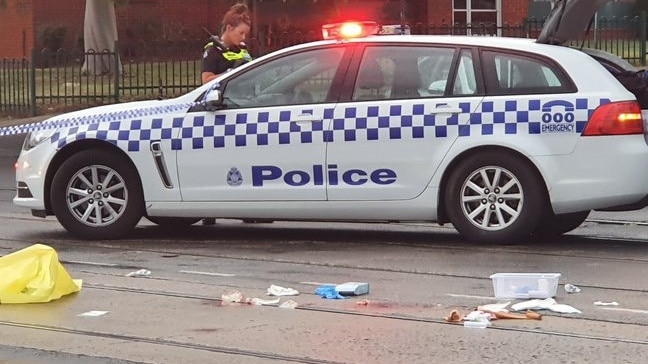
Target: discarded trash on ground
{"x": 229, "y": 297}
{"x": 477, "y": 320}
{"x": 261, "y": 302}
{"x": 455, "y": 316}
{"x": 289, "y": 304}
{"x": 495, "y": 307}
{"x": 34, "y": 274}
{"x": 232, "y": 297}
{"x": 485, "y": 315}
{"x": 281, "y": 291}
{"x": 93, "y": 313}
{"x": 352, "y": 288}
{"x": 570, "y": 288}
{"x": 329, "y": 292}
{"x": 599, "y": 303}
{"x": 363, "y": 303}
{"x": 525, "y": 285}
{"x": 546, "y": 304}
{"x": 476, "y": 324}
{"x": 342, "y": 290}
{"x": 139, "y": 273}
{"x": 529, "y": 315}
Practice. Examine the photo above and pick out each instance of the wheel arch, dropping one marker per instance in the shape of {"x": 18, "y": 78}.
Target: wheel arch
{"x": 442, "y": 210}
{"x": 74, "y": 148}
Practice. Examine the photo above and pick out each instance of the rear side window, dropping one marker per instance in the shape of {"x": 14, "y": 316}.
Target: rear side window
{"x": 397, "y": 72}
{"x": 509, "y": 74}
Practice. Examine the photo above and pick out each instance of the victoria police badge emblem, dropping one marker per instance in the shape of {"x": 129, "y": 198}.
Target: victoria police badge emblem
{"x": 234, "y": 177}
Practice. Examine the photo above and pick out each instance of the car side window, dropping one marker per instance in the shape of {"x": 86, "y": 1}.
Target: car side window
{"x": 395, "y": 72}
{"x": 301, "y": 78}
{"x": 517, "y": 74}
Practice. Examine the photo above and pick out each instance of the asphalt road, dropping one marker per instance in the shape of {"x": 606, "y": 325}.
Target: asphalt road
{"x": 417, "y": 273}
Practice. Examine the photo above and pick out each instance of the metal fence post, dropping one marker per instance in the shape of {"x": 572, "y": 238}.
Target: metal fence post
{"x": 116, "y": 72}
{"x": 32, "y": 82}
{"x": 643, "y": 37}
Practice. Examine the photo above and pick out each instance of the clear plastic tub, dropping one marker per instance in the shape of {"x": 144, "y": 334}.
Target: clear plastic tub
{"x": 525, "y": 285}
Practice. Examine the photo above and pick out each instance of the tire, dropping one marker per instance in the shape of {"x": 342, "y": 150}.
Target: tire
{"x": 482, "y": 211}
{"x": 553, "y": 225}
{"x": 173, "y": 222}
{"x": 96, "y": 194}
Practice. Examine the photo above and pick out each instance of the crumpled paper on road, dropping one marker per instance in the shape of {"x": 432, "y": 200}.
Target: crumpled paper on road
{"x": 546, "y": 304}
{"x": 274, "y": 290}
{"x": 34, "y": 274}
{"x": 230, "y": 297}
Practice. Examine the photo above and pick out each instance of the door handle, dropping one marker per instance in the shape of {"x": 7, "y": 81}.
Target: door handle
{"x": 446, "y": 110}
{"x": 304, "y": 119}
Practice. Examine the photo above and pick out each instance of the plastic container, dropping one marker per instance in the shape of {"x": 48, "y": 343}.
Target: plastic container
{"x": 476, "y": 324}
{"x": 525, "y": 285}
{"x": 352, "y": 288}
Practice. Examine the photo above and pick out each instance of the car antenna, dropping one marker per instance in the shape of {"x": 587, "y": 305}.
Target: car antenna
{"x": 216, "y": 39}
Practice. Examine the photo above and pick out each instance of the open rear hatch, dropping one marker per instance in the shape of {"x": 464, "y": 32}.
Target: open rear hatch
{"x": 571, "y": 20}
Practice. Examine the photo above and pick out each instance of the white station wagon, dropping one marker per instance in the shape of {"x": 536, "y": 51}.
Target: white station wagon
{"x": 504, "y": 138}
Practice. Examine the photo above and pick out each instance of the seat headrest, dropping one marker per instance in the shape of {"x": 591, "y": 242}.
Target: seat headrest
{"x": 371, "y": 75}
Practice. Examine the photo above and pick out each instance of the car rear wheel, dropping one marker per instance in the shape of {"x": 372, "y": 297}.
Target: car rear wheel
{"x": 493, "y": 197}
{"x": 173, "y": 222}
{"x": 96, "y": 194}
{"x": 558, "y": 224}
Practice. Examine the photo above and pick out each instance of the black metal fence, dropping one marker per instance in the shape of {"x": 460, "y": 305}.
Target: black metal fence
{"x": 71, "y": 79}
{"x": 15, "y": 92}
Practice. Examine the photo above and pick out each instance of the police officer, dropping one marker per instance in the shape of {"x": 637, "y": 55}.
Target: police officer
{"x": 227, "y": 51}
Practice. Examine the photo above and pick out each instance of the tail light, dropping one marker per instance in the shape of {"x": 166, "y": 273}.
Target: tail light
{"x": 616, "y": 118}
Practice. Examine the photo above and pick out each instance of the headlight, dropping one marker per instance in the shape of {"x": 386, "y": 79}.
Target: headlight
{"x": 36, "y": 137}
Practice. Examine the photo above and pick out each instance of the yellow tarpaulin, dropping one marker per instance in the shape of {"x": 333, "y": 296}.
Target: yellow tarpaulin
{"x": 34, "y": 274}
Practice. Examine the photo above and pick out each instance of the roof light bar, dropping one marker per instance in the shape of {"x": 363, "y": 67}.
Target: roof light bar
{"x": 348, "y": 30}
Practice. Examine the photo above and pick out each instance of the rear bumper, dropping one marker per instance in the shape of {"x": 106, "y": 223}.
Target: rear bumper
{"x": 603, "y": 173}
{"x": 629, "y": 207}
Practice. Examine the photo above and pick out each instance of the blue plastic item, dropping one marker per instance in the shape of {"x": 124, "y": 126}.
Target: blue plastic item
{"x": 328, "y": 291}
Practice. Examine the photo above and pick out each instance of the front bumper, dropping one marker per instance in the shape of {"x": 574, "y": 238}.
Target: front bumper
{"x": 31, "y": 174}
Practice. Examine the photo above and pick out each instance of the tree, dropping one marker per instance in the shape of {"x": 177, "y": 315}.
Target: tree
{"x": 99, "y": 37}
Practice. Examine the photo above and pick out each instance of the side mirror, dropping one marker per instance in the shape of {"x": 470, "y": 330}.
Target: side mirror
{"x": 213, "y": 100}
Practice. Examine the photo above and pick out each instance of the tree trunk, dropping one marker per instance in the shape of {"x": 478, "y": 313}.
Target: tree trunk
{"x": 99, "y": 37}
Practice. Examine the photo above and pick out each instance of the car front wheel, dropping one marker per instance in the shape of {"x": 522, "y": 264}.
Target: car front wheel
{"x": 493, "y": 197}
{"x": 96, "y": 194}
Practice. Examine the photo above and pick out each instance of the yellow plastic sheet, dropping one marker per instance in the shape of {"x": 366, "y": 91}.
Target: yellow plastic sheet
{"x": 34, "y": 274}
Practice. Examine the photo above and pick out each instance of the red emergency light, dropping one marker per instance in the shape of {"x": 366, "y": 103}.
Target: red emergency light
{"x": 349, "y": 30}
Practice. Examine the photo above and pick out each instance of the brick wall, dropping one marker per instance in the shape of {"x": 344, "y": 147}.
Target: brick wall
{"x": 51, "y": 17}
{"x": 439, "y": 12}
{"x": 29, "y": 23}
{"x": 16, "y": 28}
{"x": 514, "y": 12}
{"x": 169, "y": 19}
{"x": 42, "y": 22}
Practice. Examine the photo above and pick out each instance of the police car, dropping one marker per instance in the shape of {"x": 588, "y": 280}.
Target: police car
{"x": 504, "y": 138}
